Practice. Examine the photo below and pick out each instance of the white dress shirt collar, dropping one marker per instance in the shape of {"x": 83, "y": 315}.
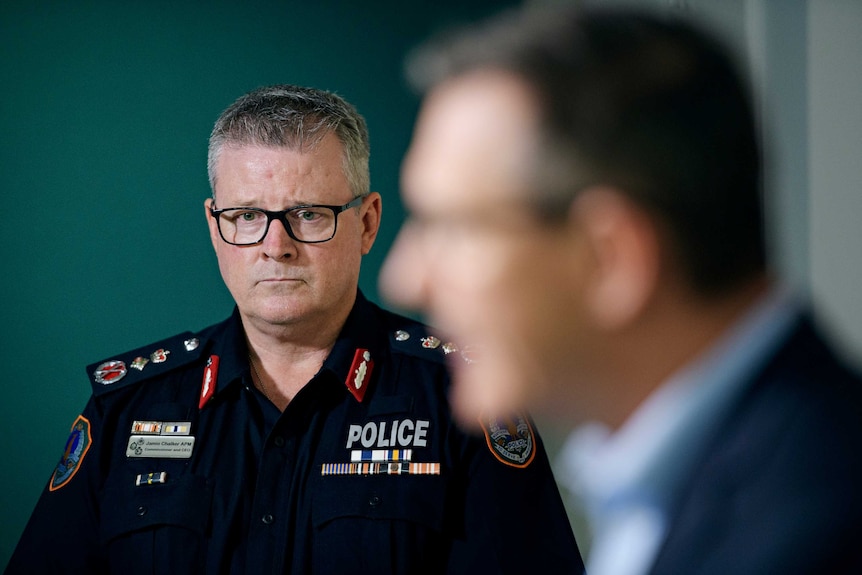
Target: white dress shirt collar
{"x": 627, "y": 479}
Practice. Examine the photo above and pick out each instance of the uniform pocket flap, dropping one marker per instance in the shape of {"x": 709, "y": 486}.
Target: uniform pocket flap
{"x": 182, "y": 502}
{"x": 387, "y": 498}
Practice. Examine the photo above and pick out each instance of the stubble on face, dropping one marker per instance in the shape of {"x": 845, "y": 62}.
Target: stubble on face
{"x": 282, "y": 284}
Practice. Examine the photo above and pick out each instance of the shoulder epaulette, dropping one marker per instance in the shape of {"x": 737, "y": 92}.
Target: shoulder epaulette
{"x": 144, "y": 363}
{"x": 415, "y": 339}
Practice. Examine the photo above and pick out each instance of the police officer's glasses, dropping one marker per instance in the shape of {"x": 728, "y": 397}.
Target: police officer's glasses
{"x": 311, "y": 224}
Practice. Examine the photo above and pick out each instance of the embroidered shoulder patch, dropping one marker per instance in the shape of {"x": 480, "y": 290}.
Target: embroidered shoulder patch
{"x": 73, "y": 455}
{"x": 510, "y": 440}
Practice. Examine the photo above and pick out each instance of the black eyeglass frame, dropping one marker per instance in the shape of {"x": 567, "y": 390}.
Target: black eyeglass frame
{"x": 281, "y": 215}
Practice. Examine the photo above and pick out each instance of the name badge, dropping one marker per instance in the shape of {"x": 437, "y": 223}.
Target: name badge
{"x": 164, "y": 446}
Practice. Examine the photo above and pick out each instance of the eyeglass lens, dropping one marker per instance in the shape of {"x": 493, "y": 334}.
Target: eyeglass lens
{"x": 249, "y": 226}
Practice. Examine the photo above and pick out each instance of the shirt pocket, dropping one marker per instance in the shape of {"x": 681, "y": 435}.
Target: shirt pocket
{"x": 156, "y": 529}
{"x": 379, "y": 525}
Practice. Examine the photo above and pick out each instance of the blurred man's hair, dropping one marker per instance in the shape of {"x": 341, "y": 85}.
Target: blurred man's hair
{"x": 646, "y": 103}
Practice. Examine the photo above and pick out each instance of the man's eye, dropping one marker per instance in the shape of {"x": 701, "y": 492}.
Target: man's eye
{"x": 248, "y": 217}
{"x": 307, "y": 215}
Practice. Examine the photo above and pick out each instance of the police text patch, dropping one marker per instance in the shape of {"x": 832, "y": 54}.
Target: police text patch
{"x": 380, "y": 434}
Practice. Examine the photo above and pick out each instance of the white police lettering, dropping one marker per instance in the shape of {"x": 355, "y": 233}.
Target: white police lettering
{"x": 404, "y": 433}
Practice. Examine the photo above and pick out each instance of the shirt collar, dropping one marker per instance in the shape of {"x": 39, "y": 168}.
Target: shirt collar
{"x": 361, "y": 330}
{"x": 652, "y": 451}
{"x": 231, "y": 349}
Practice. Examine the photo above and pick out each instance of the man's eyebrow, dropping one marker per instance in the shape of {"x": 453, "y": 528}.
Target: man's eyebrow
{"x": 253, "y": 203}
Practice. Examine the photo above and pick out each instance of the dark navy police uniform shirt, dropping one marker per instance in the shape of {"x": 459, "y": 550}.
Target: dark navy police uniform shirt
{"x": 179, "y": 465}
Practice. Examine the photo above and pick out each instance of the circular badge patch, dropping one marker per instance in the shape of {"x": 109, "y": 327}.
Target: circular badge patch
{"x": 73, "y": 455}
{"x": 510, "y": 440}
{"x": 110, "y": 372}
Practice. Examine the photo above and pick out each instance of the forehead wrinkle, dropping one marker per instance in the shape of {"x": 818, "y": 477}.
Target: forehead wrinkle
{"x": 293, "y": 178}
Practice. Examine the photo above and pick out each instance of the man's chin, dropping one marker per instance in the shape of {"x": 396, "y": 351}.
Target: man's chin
{"x": 279, "y": 313}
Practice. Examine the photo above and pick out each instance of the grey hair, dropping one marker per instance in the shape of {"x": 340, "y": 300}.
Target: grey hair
{"x": 298, "y": 118}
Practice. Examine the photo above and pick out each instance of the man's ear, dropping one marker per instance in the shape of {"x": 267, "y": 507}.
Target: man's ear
{"x": 211, "y": 223}
{"x": 624, "y": 244}
{"x": 370, "y": 212}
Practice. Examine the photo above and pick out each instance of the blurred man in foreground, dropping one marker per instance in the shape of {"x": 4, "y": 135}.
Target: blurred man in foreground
{"x": 585, "y": 199}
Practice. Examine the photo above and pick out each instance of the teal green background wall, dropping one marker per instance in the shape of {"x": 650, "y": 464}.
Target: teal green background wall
{"x": 104, "y": 117}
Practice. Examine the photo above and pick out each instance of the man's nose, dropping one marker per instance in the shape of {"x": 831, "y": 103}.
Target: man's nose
{"x": 277, "y": 243}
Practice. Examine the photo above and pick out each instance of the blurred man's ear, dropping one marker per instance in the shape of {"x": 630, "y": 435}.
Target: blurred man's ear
{"x": 624, "y": 245}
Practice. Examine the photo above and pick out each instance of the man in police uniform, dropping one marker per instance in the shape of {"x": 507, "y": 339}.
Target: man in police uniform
{"x": 309, "y": 432}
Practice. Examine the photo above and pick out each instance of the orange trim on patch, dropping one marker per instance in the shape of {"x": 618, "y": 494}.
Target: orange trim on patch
{"x": 510, "y": 440}
{"x": 77, "y": 447}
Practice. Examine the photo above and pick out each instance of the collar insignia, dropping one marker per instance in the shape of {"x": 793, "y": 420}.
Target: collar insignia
{"x": 359, "y": 374}
{"x": 209, "y": 381}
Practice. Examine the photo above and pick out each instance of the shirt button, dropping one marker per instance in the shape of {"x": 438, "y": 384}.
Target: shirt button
{"x": 374, "y": 501}
{"x": 279, "y": 441}
{"x": 142, "y": 511}
{"x": 267, "y": 519}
